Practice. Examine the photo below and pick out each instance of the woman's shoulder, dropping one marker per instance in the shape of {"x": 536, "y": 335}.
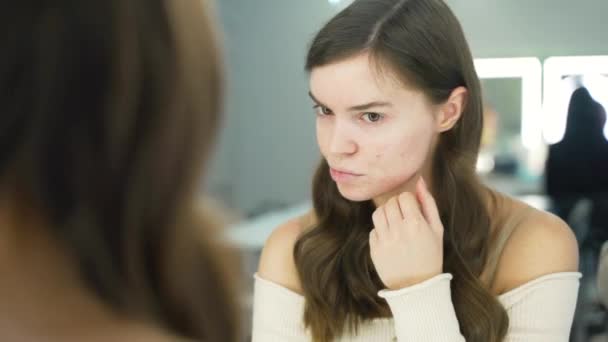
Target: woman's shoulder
{"x": 277, "y": 263}
{"x": 540, "y": 244}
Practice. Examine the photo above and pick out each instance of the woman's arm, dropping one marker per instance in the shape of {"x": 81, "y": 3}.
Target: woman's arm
{"x": 540, "y": 310}
{"x": 537, "y": 273}
{"x": 278, "y": 306}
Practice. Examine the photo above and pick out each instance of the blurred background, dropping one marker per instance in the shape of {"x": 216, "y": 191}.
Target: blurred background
{"x": 532, "y": 57}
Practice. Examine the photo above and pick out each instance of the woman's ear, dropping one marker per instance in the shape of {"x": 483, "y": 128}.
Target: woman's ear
{"x": 451, "y": 110}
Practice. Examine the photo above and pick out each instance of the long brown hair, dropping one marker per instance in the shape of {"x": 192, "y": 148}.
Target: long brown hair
{"x": 421, "y": 43}
{"x": 109, "y": 108}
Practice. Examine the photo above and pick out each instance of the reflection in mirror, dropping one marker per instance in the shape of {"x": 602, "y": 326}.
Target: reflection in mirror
{"x": 268, "y": 150}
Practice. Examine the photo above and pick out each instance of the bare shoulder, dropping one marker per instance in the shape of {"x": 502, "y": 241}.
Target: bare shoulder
{"x": 541, "y": 244}
{"x": 277, "y": 263}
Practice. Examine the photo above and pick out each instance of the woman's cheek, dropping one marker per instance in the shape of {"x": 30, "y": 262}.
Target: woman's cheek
{"x": 397, "y": 163}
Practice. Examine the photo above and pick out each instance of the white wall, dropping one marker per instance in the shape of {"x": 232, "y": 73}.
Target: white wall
{"x": 268, "y": 151}
{"x": 541, "y": 28}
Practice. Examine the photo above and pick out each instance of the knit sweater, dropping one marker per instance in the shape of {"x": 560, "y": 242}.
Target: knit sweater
{"x": 541, "y": 310}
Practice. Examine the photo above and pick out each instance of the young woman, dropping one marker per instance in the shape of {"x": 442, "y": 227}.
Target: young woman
{"x": 404, "y": 242}
{"x": 108, "y": 108}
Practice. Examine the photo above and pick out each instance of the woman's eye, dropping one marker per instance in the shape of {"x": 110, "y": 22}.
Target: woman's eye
{"x": 372, "y": 117}
{"x": 323, "y": 110}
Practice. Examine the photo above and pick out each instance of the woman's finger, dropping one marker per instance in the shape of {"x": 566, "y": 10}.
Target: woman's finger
{"x": 428, "y": 205}
{"x": 409, "y": 207}
{"x": 380, "y": 222}
{"x": 393, "y": 213}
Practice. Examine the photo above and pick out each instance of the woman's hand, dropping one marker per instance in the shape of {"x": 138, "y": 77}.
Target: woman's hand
{"x": 407, "y": 242}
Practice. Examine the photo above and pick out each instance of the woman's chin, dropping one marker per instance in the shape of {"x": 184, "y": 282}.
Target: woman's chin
{"x": 355, "y": 194}
{"x": 362, "y": 194}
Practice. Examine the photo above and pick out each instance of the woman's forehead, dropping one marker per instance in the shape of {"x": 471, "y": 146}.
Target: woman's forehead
{"x": 356, "y": 80}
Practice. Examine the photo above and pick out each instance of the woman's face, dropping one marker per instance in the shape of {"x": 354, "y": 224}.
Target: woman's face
{"x": 375, "y": 133}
